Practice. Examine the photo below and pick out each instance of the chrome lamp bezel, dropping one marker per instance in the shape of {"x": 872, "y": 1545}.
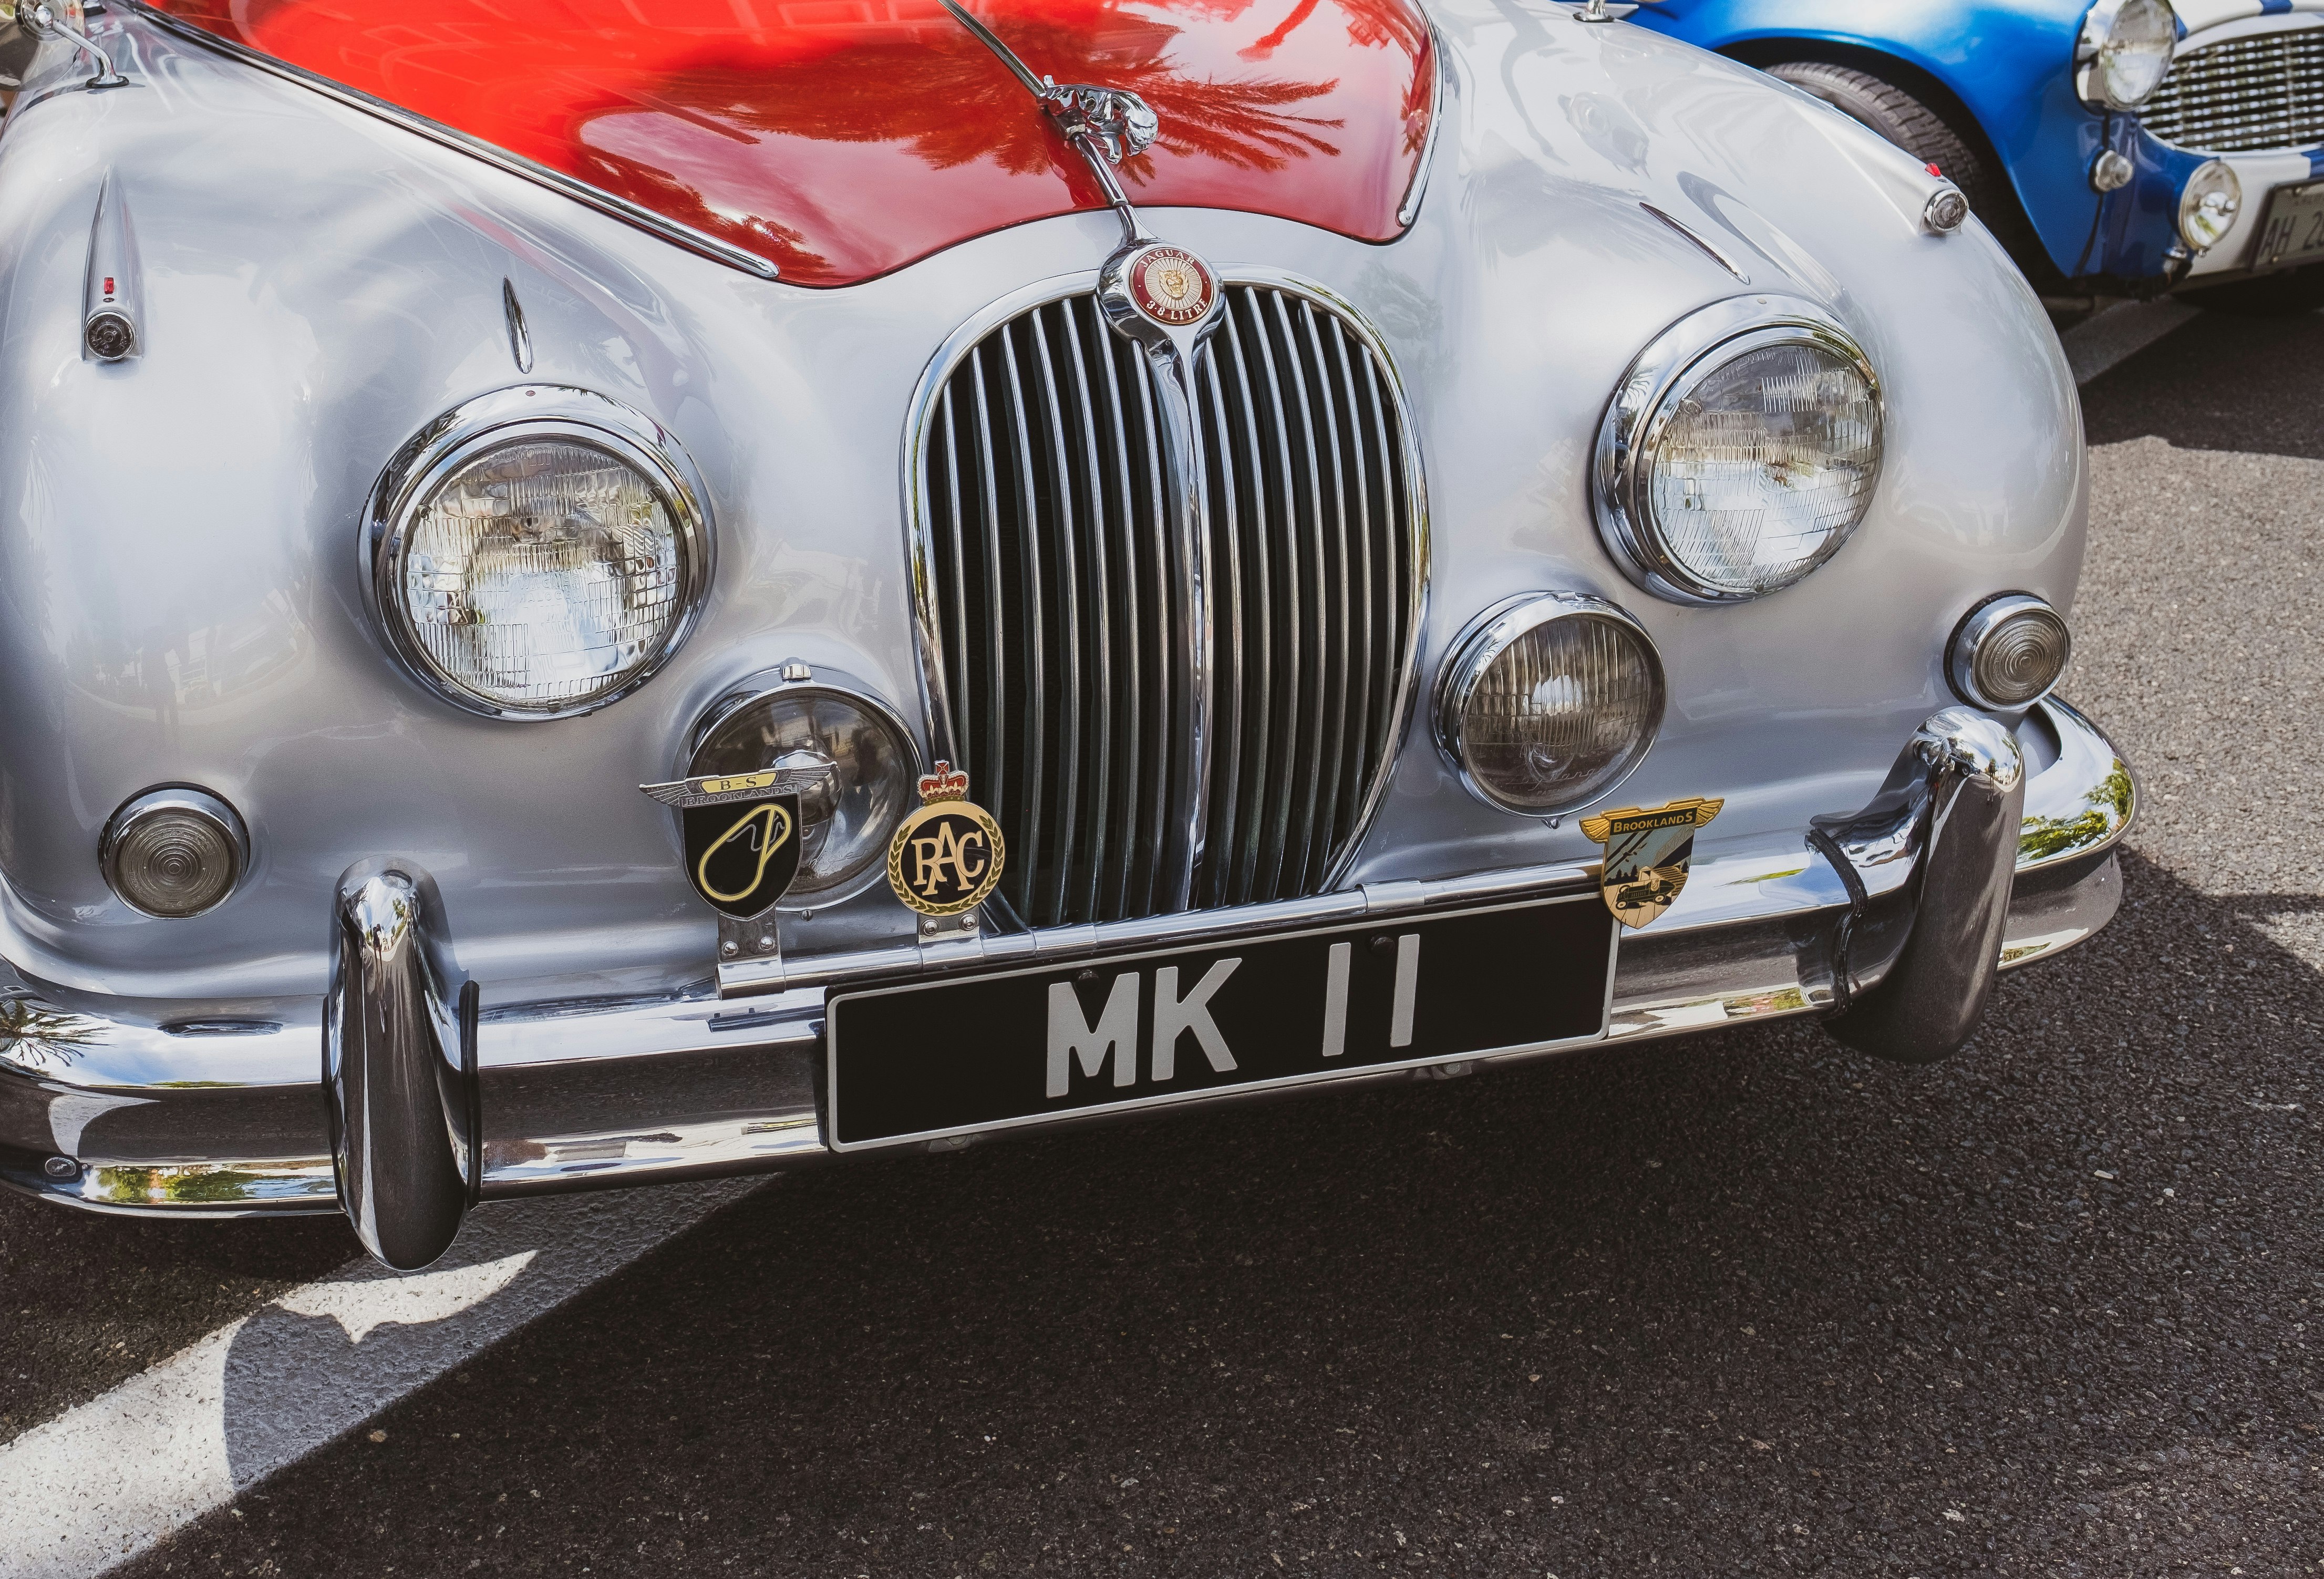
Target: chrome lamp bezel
{"x": 180, "y": 798}
{"x": 1674, "y": 363}
{"x": 1960, "y": 654}
{"x": 2098, "y": 27}
{"x": 1486, "y": 638}
{"x": 508, "y": 416}
{"x": 797, "y": 680}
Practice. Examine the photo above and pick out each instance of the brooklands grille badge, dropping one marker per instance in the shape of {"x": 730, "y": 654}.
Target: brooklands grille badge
{"x": 945, "y": 858}
{"x": 1647, "y": 849}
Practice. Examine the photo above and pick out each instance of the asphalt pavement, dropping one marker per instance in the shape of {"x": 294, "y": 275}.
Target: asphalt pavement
{"x": 1745, "y": 1304}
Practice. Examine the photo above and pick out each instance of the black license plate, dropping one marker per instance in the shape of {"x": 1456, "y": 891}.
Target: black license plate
{"x": 2293, "y": 229}
{"x": 921, "y": 1061}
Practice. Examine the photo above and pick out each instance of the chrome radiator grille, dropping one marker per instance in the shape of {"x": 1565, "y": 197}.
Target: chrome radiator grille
{"x": 2263, "y": 92}
{"x": 1057, "y": 616}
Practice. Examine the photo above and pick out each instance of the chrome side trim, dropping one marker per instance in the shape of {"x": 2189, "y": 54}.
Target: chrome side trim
{"x": 1409, "y": 209}
{"x": 499, "y": 159}
{"x": 399, "y": 1069}
{"x": 504, "y": 416}
{"x": 1689, "y": 232}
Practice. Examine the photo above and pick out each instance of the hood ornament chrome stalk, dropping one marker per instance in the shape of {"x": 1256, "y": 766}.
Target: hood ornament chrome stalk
{"x": 1166, "y": 300}
{"x": 1106, "y": 125}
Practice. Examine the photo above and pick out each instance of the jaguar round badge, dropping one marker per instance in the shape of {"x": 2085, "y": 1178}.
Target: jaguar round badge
{"x": 946, "y": 856}
{"x": 1647, "y": 849}
{"x": 1171, "y": 285}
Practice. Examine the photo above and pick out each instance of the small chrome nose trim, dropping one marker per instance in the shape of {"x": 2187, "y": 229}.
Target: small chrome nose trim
{"x": 399, "y": 1068}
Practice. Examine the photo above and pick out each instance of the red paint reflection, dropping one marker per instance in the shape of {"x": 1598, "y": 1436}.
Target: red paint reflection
{"x": 844, "y": 138}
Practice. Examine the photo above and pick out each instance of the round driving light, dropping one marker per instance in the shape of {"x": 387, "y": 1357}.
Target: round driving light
{"x": 2125, "y": 52}
{"x": 538, "y": 552}
{"x": 2208, "y": 207}
{"x": 864, "y": 753}
{"x": 1548, "y": 702}
{"x": 2009, "y": 652}
{"x": 1739, "y": 453}
{"x": 174, "y": 852}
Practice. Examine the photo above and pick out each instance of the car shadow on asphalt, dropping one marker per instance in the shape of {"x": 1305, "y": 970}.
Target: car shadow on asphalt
{"x": 1744, "y": 1303}
{"x": 2193, "y": 388}
{"x": 89, "y": 1299}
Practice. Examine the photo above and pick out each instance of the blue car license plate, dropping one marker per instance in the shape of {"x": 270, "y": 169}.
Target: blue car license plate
{"x": 2293, "y": 230}
{"x": 920, "y": 1061}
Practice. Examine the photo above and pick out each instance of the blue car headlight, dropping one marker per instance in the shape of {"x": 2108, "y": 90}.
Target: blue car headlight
{"x": 2125, "y": 52}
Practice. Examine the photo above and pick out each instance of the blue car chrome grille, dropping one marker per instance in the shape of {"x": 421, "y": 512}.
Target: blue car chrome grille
{"x": 1057, "y": 615}
{"x": 2262, "y": 92}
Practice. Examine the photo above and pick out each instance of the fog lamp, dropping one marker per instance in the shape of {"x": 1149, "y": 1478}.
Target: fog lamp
{"x": 866, "y": 758}
{"x": 2009, "y": 652}
{"x": 1549, "y": 701}
{"x": 2208, "y": 207}
{"x": 174, "y": 852}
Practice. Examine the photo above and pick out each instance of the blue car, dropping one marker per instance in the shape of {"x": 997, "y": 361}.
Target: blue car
{"x": 2127, "y": 147}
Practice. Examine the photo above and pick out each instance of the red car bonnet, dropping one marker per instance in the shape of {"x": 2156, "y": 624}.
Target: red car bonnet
{"x": 841, "y": 139}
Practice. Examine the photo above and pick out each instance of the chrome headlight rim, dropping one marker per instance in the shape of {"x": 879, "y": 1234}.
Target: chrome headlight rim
{"x": 185, "y": 800}
{"x": 1485, "y": 638}
{"x": 2091, "y": 83}
{"x": 774, "y": 684}
{"x": 1673, "y": 363}
{"x": 522, "y": 412}
{"x": 1971, "y": 634}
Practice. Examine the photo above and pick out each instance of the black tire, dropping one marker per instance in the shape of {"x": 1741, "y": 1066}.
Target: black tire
{"x": 2292, "y": 293}
{"x": 1931, "y": 139}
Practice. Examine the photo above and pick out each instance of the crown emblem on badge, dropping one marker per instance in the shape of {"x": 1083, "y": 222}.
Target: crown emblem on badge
{"x": 946, "y": 783}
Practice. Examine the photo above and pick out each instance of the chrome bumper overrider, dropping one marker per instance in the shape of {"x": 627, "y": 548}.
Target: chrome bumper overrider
{"x": 192, "y": 1117}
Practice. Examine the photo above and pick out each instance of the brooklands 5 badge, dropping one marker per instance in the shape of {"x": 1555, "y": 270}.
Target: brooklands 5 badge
{"x": 742, "y": 833}
{"x": 946, "y": 857}
{"x": 1647, "y": 849}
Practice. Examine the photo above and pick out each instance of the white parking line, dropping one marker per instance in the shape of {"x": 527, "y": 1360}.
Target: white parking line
{"x": 2119, "y": 333}
{"x": 102, "y": 1482}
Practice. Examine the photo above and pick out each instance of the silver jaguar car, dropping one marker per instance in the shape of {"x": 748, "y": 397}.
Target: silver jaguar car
{"x": 599, "y": 594}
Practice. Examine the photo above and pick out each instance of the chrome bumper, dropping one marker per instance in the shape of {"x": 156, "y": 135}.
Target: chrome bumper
{"x": 381, "y": 1115}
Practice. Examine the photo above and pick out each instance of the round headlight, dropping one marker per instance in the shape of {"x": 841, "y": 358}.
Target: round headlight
{"x": 2009, "y": 652}
{"x": 538, "y": 552}
{"x": 1739, "y": 452}
{"x": 2125, "y": 52}
{"x": 2208, "y": 207}
{"x": 1549, "y": 701}
{"x": 866, "y": 757}
{"x": 174, "y": 852}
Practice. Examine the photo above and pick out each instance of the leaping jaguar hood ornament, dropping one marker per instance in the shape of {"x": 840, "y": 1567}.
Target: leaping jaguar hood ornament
{"x": 827, "y": 145}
